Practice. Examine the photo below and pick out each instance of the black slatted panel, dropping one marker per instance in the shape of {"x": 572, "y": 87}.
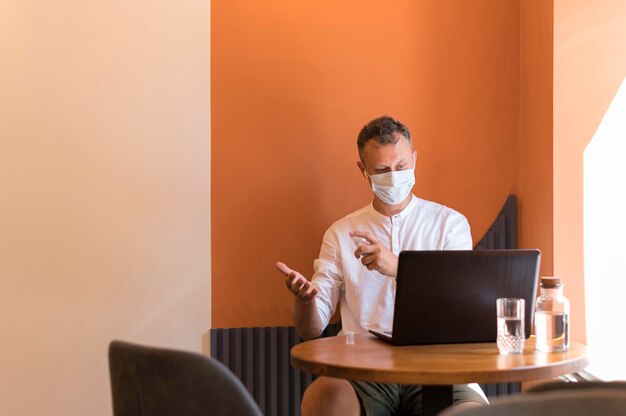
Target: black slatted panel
{"x": 270, "y": 372}
{"x": 283, "y": 371}
{"x": 259, "y": 373}
{"x": 510, "y": 213}
{"x": 295, "y": 376}
{"x": 224, "y": 342}
{"x": 214, "y": 337}
{"x": 501, "y": 235}
{"x": 237, "y": 356}
{"x": 259, "y": 357}
{"x": 500, "y": 231}
{"x": 248, "y": 360}
{"x": 501, "y": 389}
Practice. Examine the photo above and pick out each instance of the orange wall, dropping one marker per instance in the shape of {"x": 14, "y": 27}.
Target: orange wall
{"x": 293, "y": 83}
{"x": 535, "y": 199}
{"x": 105, "y": 187}
{"x": 589, "y": 66}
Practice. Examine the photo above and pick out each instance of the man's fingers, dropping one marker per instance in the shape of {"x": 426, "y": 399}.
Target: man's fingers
{"x": 291, "y": 274}
{"x": 311, "y": 294}
{"x": 365, "y": 250}
{"x": 295, "y": 282}
{"x": 282, "y": 267}
{"x": 364, "y": 234}
{"x": 367, "y": 260}
{"x": 298, "y": 285}
{"x": 304, "y": 289}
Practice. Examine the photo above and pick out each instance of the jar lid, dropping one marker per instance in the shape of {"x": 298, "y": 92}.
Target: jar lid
{"x": 550, "y": 282}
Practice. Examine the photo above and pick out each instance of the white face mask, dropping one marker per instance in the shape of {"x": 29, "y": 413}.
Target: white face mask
{"x": 393, "y": 187}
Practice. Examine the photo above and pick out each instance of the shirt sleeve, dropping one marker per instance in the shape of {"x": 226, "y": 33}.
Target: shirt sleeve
{"x": 327, "y": 278}
{"x": 458, "y": 236}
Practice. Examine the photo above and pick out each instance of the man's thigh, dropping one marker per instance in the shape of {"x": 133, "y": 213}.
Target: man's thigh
{"x": 411, "y": 399}
{"x": 378, "y": 399}
{"x": 330, "y": 396}
{"x": 383, "y": 399}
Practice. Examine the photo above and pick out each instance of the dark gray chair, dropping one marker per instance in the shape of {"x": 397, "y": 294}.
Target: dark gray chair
{"x": 574, "y": 402}
{"x": 586, "y": 398}
{"x": 566, "y": 386}
{"x": 148, "y": 381}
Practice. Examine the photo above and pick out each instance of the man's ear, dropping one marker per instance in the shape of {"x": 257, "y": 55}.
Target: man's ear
{"x": 361, "y": 168}
{"x": 414, "y": 158}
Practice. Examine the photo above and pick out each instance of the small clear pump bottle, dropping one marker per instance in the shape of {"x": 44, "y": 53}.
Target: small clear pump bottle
{"x": 551, "y": 317}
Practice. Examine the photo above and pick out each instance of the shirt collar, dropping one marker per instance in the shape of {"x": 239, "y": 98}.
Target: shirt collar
{"x": 406, "y": 211}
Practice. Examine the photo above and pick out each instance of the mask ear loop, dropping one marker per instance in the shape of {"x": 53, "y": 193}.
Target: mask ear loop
{"x": 365, "y": 174}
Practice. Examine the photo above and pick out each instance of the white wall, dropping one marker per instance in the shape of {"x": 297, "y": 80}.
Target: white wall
{"x": 104, "y": 192}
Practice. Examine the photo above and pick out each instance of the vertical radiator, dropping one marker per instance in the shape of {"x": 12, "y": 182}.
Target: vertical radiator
{"x": 259, "y": 357}
{"x": 502, "y": 233}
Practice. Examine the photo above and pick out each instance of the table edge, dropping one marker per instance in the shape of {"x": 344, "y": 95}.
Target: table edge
{"x": 430, "y": 377}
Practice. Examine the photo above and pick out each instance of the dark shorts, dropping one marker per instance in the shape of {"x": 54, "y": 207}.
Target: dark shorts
{"x": 383, "y": 399}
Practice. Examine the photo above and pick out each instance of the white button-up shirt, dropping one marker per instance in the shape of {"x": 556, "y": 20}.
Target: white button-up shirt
{"x": 367, "y": 297}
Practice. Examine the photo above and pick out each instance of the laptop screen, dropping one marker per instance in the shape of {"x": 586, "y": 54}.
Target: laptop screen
{"x": 450, "y": 296}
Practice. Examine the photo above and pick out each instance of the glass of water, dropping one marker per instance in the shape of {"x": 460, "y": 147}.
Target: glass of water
{"x": 510, "y": 315}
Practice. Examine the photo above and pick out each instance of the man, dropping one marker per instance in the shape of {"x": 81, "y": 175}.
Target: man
{"x": 357, "y": 266}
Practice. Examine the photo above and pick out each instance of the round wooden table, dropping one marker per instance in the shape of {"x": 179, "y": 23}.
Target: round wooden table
{"x": 370, "y": 359}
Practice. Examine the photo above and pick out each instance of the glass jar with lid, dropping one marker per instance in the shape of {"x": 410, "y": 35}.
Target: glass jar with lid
{"x": 552, "y": 317}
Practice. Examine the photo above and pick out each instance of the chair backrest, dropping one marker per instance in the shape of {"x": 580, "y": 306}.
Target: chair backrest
{"x": 148, "y": 381}
{"x": 574, "y": 402}
{"x": 559, "y": 385}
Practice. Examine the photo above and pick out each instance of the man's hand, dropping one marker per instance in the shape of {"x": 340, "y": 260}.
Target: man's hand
{"x": 374, "y": 255}
{"x": 297, "y": 284}
{"x": 305, "y": 315}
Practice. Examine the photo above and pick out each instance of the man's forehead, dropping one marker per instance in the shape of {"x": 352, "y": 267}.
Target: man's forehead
{"x": 374, "y": 148}
{"x": 387, "y": 139}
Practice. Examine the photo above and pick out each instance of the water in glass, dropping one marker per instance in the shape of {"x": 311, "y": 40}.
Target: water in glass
{"x": 510, "y": 336}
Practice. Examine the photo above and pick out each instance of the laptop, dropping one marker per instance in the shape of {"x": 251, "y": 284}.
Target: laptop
{"x": 445, "y": 297}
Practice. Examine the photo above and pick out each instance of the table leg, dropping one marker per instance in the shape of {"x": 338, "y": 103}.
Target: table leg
{"x": 435, "y": 399}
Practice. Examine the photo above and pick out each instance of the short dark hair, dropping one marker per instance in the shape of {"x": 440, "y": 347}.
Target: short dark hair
{"x": 383, "y": 130}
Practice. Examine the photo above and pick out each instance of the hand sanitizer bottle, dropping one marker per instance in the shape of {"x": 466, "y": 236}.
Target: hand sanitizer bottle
{"x": 551, "y": 317}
